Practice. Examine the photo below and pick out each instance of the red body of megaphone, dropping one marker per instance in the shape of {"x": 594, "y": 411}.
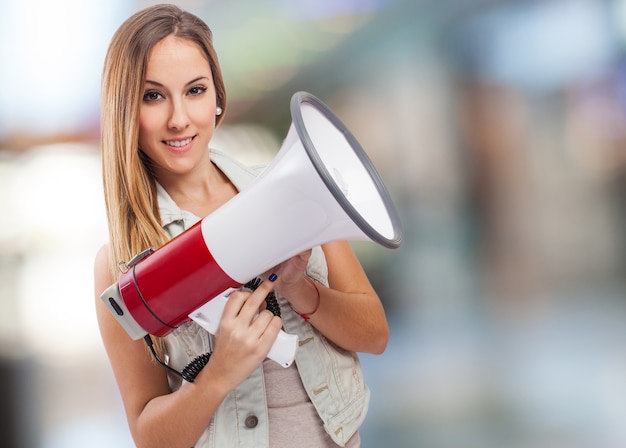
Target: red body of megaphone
{"x": 320, "y": 187}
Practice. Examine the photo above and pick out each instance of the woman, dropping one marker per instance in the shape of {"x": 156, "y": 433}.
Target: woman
{"x": 162, "y": 97}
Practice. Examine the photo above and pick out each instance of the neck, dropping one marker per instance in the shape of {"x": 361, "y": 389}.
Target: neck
{"x": 202, "y": 191}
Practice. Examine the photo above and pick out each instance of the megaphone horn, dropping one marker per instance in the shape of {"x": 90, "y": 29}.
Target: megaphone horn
{"x": 320, "y": 187}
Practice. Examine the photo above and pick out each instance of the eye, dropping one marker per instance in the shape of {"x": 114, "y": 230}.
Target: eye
{"x": 151, "y": 96}
{"x": 197, "y": 90}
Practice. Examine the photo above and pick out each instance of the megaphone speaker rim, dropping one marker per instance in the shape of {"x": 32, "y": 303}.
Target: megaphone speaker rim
{"x": 298, "y": 121}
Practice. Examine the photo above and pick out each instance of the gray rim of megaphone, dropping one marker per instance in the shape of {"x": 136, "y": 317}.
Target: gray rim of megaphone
{"x": 298, "y": 121}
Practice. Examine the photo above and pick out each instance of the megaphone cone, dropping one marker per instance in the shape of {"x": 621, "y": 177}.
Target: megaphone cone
{"x": 320, "y": 187}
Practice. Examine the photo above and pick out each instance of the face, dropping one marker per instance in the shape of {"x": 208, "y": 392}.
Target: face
{"x": 177, "y": 112}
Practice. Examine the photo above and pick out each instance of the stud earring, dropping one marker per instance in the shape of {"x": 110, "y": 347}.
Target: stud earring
{"x": 218, "y": 111}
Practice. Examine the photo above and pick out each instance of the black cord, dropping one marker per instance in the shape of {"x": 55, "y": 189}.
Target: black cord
{"x": 145, "y": 303}
{"x": 191, "y": 370}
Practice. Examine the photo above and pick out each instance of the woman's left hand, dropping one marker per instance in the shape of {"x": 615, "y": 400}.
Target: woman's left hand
{"x": 290, "y": 272}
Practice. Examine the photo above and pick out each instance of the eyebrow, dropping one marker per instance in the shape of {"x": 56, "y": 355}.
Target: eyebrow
{"x": 158, "y": 84}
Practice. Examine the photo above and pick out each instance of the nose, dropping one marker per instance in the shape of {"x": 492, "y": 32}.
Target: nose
{"x": 178, "y": 116}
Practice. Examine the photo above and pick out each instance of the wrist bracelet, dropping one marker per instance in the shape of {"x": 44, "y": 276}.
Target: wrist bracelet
{"x": 307, "y": 316}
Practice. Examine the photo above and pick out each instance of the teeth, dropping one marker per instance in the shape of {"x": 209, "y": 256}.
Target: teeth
{"x": 178, "y": 143}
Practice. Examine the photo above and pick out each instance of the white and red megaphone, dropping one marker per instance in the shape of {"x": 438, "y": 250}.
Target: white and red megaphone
{"x": 320, "y": 187}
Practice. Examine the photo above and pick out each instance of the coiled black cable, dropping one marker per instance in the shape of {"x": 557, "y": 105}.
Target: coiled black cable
{"x": 191, "y": 370}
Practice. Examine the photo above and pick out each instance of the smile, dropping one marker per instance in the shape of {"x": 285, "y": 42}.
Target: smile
{"x": 178, "y": 143}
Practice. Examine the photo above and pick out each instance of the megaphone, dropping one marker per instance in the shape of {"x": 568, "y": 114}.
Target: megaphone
{"x": 320, "y": 187}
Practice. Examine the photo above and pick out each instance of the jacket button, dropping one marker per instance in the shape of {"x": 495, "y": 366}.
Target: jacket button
{"x": 252, "y": 421}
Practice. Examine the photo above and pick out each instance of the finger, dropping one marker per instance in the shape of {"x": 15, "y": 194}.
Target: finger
{"x": 271, "y": 273}
{"x": 253, "y": 303}
{"x": 234, "y": 303}
{"x": 265, "y": 324}
{"x": 262, "y": 321}
{"x": 270, "y": 330}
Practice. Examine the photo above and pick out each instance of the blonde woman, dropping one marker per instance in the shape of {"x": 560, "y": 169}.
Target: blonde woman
{"x": 162, "y": 97}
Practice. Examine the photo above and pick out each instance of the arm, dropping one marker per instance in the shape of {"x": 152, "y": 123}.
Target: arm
{"x": 158, "y": 417}
{"x": 350, "y": 313}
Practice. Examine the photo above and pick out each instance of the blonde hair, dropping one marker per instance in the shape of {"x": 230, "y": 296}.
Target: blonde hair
{"x": 129, "y": 185}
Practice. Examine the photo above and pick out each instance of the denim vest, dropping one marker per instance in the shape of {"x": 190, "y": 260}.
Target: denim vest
{"x": 332, "y": 377}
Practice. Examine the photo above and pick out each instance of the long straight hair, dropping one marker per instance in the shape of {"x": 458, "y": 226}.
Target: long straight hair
{"x": 129, "y": 185}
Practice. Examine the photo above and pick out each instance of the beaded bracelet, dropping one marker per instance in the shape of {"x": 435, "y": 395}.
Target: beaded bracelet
{"x": 307, "y": 316}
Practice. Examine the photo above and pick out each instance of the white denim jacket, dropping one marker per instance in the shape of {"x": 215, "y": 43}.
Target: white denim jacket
{"x": 331, "y": 376}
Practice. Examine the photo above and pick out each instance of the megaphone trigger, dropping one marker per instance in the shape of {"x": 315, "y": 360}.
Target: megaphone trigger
{"x": 209, "y": 315}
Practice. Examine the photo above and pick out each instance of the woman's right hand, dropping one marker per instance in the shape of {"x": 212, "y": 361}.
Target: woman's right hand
{"x": 244, "y": 337}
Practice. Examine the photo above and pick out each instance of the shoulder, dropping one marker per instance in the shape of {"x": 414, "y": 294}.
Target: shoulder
{"x": 102, "y": 256}
{"x": 102, "y": 272}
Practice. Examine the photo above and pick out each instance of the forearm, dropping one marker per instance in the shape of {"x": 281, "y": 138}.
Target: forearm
{"x": 179, "y": 418}
{"x": 354, "y": 321}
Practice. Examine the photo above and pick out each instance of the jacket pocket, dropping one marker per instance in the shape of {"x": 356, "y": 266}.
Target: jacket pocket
{"x": 345, "y": 368}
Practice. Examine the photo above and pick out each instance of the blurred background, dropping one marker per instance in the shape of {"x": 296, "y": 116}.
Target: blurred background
{"x": 498, "y": 127}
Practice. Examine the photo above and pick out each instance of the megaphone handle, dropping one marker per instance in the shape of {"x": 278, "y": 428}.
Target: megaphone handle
{"x": 283, "y": 350}
{"x": 209, "y": 315}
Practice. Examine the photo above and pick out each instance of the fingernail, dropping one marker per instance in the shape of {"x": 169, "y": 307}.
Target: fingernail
{"x": 273, "y": 277}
